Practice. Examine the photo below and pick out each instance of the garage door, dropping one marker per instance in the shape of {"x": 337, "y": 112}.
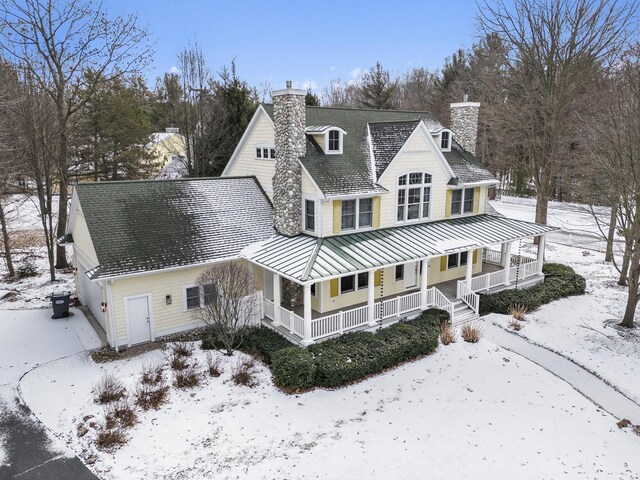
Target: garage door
{"x": 90, "y": 295}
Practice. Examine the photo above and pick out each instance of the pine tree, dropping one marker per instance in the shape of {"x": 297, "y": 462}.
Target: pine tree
{"x": 376, "y": 89}
{"x": 311, "y": 100}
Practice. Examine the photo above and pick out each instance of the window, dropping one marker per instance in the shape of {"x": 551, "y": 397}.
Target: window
{"x": 414, "y": 196}
{"x": 462, "y": 201}
{"x": 347, "y": 284}
{"x": 210, "y": 294}
{"x": 457, "y": 260}
{"x": 313, "y": 289}
{"x": 334, "y": 141}
{"x": 445, "y": 140}
{"x": 192, "y": 295}
{"x": 357, "y": 213}
{"x": 399, "y": 272}
{"x": 351, "y": 283}
{"x": 265, "y": 152}
{"x": 310, "y": 215}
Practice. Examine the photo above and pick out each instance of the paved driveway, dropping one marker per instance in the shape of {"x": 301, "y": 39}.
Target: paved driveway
{"x": 30, "y": 338}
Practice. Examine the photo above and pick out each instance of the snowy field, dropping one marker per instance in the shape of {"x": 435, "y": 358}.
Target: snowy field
{"x": 467, "y": 411}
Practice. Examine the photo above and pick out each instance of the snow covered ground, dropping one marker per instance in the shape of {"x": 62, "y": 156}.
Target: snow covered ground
{"x": 467, "y": 411}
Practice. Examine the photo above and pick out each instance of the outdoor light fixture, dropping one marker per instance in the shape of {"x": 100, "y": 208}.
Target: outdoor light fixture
{"x": 103, "y": 306}
{"x": 168, "y": 299}
{"x": 75, "y": 270}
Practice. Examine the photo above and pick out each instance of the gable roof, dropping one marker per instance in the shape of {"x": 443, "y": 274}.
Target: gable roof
{"x": 143, "y": 226}
{"x": 352, "y": 172}
{"x": 466, "y": 166}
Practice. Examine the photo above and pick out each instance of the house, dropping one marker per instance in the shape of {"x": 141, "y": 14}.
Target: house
{"x": 166, "y": 147}
{"x": 350, "y": 219}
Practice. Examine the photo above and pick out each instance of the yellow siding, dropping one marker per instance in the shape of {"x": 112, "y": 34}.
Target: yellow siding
{"x": 476, "y": 199}
{"x": 418, "y": 154}
{"x": 376, "y": 212}
{"x": 82, "y": 239}
{"x": 162, "y": 152}
{"x": 248, "y": 164}
{"x": 308, "y": 187}
{"x": 337, "y": 216}
{"x": 448, "y": 200}
{"x": 437, "y": 275}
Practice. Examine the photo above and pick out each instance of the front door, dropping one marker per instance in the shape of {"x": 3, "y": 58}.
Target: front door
{"x": 410, "y": 275}
{"x": 138, "y": 318}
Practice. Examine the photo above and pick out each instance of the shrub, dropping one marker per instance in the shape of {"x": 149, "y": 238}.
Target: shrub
{"x": 447, "y": 334}
{"x": 178, "y": 362}
{"x": 471, "y": 332}
{"x": 121, "y": 413}
{"x": 293, "y": 369}
{"x": 151, "y": 396}
{"x": 188, "y": 377}
{"x": 243, "y": 373}
{"x": 152, "y": 374}
{"x": 182, "y": 349}
{"x": 557, "y": 270}
{"x": 213, "y": 366}
{"x": 561, "y": 282}
{"x": 518, "y": 312}
{"x": 516, "y": 325}
{"x": 108, "y": 389}
{"x": 28, "y": 269}
{"x": 109, "y": 439}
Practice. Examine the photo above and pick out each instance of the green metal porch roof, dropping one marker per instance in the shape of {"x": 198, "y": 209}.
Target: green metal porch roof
{"x": 304, "y": 258}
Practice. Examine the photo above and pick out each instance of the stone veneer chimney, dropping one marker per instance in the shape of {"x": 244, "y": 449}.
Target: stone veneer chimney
{"x": 290, "y": 121}
{"x": 464, "y": 124}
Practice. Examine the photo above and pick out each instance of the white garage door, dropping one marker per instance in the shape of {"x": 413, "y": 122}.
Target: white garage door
{"x": 90, "y": 294}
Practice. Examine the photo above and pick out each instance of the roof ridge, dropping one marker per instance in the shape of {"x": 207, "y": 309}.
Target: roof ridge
{"x": 396, "y": 121}
{"x": 359, "y": 109}
{"x": 165, "y": 180}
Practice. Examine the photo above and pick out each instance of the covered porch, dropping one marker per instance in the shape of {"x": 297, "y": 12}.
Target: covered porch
{"x": 350, "y": 282}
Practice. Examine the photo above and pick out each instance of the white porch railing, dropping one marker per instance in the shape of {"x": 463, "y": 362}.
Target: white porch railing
{"x": 524, "y": 271}
{"x": 467, "y": 295}
{"x": 349, "y": 319}
{"x": 494, "y": 256}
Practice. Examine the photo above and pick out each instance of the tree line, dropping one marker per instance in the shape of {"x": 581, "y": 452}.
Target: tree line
{"x": 557, "y": 79}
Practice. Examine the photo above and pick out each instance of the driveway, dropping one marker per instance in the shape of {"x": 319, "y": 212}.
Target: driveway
{"x": 30, "y": 338}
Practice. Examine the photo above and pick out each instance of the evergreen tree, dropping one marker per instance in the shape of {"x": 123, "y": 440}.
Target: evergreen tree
{"x": 376, "y": 89}
{"x": 311, "y": 100}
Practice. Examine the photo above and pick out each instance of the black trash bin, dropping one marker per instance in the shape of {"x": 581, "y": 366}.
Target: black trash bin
{"x": 60, "y": 302}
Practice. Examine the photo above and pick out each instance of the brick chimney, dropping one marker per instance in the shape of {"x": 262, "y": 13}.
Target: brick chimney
{"x": 464, "y": 124}
{"x": 290, "y": 121}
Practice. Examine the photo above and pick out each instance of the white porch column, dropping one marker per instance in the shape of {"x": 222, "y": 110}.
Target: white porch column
{"x": 371, "y": 300}
{"x": 306, "y": 338}
{"x": 507, "y": 263}
{"x": 424, "y": 283}
{"x": 541, "y": 247}
{"x": 503, "y": 254}
{"x": 469, "y": 267}
{"x": 277, "y": 298}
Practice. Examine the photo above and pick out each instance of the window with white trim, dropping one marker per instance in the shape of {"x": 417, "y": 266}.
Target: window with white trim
{"x": 192, "y": 297}
{"x": 310, "y": 215}
{"x": 197, "y": 296}
{"x": 351, "y": 283}
{"x": 357, "y": 213}
{"x": 456, "y": 260}
{"x": 462, "y": 201}
{"x": 265, "y": 152}
{"x": 445, "y": 140}
{"x": 414, "y": 197}
{"x": 399, "y": 272}
{"x": 333, "y": 144}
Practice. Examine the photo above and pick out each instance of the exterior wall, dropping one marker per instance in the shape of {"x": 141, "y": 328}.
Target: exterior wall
{"x": 163, "y": 151}
{"x": 436, "y": 276}
{"x": 82, "y": 239}
{"x": 247, "y": 163}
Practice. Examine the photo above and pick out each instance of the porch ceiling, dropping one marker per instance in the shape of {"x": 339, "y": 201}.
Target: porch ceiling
{"x": 305, "y": 259}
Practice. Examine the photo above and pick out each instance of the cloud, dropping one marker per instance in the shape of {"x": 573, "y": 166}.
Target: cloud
{"x": 332, "y": 69}
{"x": 355, "y": 75}
{"x": 174, "y": 69}
{"x": 305, "y": 84}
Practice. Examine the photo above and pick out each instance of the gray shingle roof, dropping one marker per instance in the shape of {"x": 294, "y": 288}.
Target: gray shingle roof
{"x": 466, "y": 166}
{"x": 350, "y": 173}
{"x": 142, "y": 226}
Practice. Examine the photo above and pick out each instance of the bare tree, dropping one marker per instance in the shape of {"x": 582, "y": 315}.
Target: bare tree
{"x": 56, "y": 42}
{"x": 617, "y": 153}
{"x": 340, "y": 94}
{"x": 556, "y": 50}
{"x": 228, "y": 303}
{"x": 416, "y": 90}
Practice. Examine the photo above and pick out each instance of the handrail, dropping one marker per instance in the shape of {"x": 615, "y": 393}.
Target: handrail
{"x": 468, "y": 296}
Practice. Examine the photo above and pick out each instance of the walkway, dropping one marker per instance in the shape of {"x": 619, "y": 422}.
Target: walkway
{"x": 580, "y": 379}
{"x": 31, "y": 338}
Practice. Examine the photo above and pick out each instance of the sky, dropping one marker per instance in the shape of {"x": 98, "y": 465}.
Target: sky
{"x": 308, "y": 43}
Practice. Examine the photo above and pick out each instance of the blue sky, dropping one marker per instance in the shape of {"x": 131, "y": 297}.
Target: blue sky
{"x": 307, "y": 42}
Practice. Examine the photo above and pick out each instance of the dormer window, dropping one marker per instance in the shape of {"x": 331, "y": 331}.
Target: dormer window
{"x": 445, "y": 141}
{"x": 334, "y": 141}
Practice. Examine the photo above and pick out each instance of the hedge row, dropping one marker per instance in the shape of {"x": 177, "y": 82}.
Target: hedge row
{"x": 354, "y": 356}
{"x": 560, "y": 281}
{"x": 259, "y": 341}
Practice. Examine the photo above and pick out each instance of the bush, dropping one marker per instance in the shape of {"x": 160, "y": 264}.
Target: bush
{"x": 120, "y": 413}
{"x": 560, "y": 282}
{"x": 293, "y": 369}
{"x": 109, "y": 439}
{"x": 182, "y": 349}
{"x": 152, "y": 374}
{"x": 109, "y": 389}
{"x": 471, "y": 332}
{"x": 518, "y": 312}
{"x": 213, "y": 366}
{"x": 516, "y": 325}
{"x": 151, "y": 396}
{"x": 28, "y": 269}
{"x": 178, "y": 362}
{"x": 264, "y": 342}
{"x": 447, "y": 334}
{"x": 243, "y": 373}
{"x": 188, "y": 377}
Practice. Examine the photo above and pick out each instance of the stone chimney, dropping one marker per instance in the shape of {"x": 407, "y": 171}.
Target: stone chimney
{"x": 290, "y": 121}
{"x": 172, "y": 130}
{"x": 464, "y": 124}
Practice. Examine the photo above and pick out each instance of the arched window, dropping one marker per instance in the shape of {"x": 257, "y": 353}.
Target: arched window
{"x": 414, "y": 197}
